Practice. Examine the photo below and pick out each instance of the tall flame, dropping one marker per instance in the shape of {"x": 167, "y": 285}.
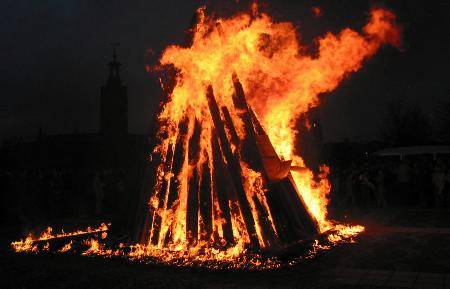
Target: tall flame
{"x": 281, "y": 81}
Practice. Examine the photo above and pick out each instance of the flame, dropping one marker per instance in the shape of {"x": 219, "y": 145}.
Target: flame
{"x": 66, "y": 248}
{"x": 317, "y": 12}
{"x": 29, "y": 244}
{"x": 281, "y": 82}
{"x": 96, "y": 248}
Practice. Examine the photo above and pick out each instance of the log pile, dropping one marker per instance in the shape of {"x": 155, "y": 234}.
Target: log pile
{"x": 216, "y": 189}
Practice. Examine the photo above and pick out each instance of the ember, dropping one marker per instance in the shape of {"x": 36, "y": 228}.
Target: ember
{"x": 229, "y": 183}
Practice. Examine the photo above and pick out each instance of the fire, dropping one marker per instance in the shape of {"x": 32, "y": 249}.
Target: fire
{"x": 243, "y": 70}
{"x": 97, "y": 249}
{"x": 316, "y": 11}
{"x": 29, "y": 244}
{"x": 280, "y": 80}
{"x": 66, "y": 248}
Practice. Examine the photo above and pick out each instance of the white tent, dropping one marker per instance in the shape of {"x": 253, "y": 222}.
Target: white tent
{"x": 414, "y": 150}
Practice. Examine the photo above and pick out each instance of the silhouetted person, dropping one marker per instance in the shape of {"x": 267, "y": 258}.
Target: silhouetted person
{"x": 349, "y": 192}
{"x": 367, "y": 188}
{"x": 403, "y": 181}
{"x": 438, "y": 178}
{"x": 380, "y": 189}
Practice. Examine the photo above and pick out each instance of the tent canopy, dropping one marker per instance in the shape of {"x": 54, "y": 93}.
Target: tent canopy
{"x": 414, "y": 150}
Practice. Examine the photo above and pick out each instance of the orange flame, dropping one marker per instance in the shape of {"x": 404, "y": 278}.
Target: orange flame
{"x": 29, "y": 244}
{"x": 280, "y": 80}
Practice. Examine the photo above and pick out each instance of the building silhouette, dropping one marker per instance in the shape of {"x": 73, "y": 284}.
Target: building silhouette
{"x": 114, "y": 103}
{"x": 112, "y": 147}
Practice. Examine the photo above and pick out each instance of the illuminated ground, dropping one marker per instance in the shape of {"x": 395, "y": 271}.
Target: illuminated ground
{"x": 401, "y": 249}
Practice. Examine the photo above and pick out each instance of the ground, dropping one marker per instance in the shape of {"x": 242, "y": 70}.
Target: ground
{"x": 401, "y": 248}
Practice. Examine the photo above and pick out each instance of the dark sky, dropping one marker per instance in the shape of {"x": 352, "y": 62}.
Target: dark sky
{"x": 54, "y": 56}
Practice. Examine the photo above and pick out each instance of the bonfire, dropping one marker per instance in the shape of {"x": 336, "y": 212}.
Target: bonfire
{"x": 228, "y": 185}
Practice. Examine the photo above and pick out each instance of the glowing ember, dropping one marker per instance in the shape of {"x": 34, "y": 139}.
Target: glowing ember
{"x": 66, "y": 247}
{"x": 29, "y": 244}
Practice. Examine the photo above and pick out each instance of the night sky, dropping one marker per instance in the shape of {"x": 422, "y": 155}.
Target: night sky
{"x": 54, "y": 55}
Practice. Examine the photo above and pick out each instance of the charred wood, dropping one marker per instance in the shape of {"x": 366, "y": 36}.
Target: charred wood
{"x": 234, "y": 168}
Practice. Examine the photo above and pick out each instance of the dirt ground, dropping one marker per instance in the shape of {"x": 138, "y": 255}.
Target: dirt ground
{"x": 412, "y": 243}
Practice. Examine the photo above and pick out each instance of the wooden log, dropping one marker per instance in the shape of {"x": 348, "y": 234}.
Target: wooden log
{"x": 221, "y": 188}
{"x": 251, "y": 153}
{"x": 177, "y": 166}
{"x": 230, "y": 125}
{"x": 192, "y": 208}
{"x": 143, "y": 220}
{"x": 178, "y": 161}
{"x": 266, "y": 228}
{"x": 234, "y": 168}
{"x": 249, "y": 148}
{"x": 145, "y": 211}
{"x": 139, "y": 221}
{"x": 156, "y": 223}
{"x": 306, "y": 220}
{"x": 205, "y": 203}
{"x": 193, "y": 186}
{"x": 194, "y": 144}
{"x": 299, "y": 222}
{"x": 282, "y": 217}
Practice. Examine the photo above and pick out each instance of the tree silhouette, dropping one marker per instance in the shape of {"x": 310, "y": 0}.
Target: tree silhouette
{"x": 442, "y": 121}
{"x": 403, "y": 125}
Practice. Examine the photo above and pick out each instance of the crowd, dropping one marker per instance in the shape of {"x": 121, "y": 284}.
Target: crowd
{"x": 38, "y": 196}
{"x": 379, "y": 183}
{"x": 33, "y": 197}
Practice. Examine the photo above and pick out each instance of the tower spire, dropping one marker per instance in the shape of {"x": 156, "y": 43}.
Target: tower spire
{"x": 113, "y": 101}
{"x": 114, "y": 65}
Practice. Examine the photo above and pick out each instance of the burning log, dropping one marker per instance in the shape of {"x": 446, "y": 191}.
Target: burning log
{"x": 143, "y": 216}
{"x": 233, "y": 167}
{"x": 192, "y": 208}
{"x": 216, "y": 187}
{"x": 161, "y": 197}
{"x": 251, "y": 151}
{"x": 178, "y": 161}
{"x": 206, "y": 225}
{"x": 193, "y": 186}
{"x": 222, "y": 188}
{"x": 177, "y": 166}
{"x": 249, "y": 148}
{"x": 294, "y": 217}
{"x": 229, "y": 123}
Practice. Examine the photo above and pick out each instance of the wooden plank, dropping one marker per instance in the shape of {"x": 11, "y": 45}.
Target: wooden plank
{"x": 177, "y": 166}
{"x": 161, "y": 197}
{"x": 281, "y": 213}
{"x": 263, "y": 218}
{"x": 251, "y": 154}
{"x": 178, "y": 161}
{"x": 193, "y": 186}
{"x": 145, "y": 213}
{"x": 230, "y": 125}
{"x": 205, "y": 203}
{"x": 233, "y": 167}
{"x": 192, "y": 208}
{"x": 249, "y": 149}
{"x": 305, "y": 219}
{"x": 296, "y": 217}
{"x": 221, "y": 188}
{"x": 194, "y": 144}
